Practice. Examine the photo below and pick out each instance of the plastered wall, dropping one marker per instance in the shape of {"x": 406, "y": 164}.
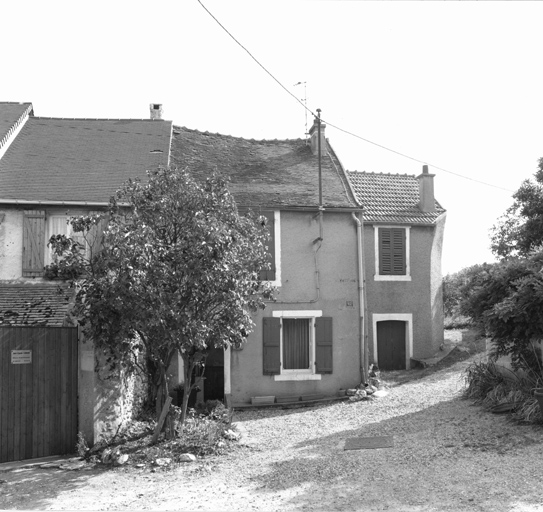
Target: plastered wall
{"x": 337, "y": 298}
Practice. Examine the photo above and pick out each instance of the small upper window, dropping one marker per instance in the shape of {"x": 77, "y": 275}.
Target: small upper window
{"x": 392, "y": 254}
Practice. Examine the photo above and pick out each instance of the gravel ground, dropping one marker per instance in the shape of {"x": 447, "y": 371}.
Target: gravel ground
{"x": 448, "y": 455}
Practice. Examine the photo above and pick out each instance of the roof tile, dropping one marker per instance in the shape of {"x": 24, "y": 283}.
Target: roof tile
{"x": 391, "y": 198}
{"x": 84, "y": 160}
{"x": 278, "y": 173}
{"x": 45, "y": 304}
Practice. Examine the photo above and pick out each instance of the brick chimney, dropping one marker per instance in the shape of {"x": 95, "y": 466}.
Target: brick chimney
{"x": 156, "y": 110}
{"x": 314, "y": 135}
{"x": 427, "y": 201}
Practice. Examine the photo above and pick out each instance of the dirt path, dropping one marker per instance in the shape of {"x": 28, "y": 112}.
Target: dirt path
{"x": 447, "y": 456}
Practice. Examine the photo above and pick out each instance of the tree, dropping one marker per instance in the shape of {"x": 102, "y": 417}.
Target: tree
{"x": 178, "y": 270}
{"x": 458, "y": 287}
{"x": 520, "y": 230}
{"x": 507, "y": 301}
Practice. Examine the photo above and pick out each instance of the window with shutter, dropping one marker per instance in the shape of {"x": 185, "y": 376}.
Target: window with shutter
{"x": 272, "y": 346}
{"x": 297, "y": 345}
{"x": 33, "y": 243}
{"x": 392, "y": 253}
{"x": 324, "y": 345}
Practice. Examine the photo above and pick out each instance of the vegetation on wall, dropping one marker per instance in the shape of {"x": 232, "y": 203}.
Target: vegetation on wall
{"x": 177, "y": 270}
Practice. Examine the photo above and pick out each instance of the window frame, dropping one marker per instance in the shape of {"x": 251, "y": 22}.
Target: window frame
{"x": 392, "y": 277}
{"x": 299, "y": 374}
{"x": 48, "y": 257}
{"x": 276, "y": 239}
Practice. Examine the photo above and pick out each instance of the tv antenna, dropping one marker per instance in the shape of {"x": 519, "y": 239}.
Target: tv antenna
{"x": 304, "y": 100}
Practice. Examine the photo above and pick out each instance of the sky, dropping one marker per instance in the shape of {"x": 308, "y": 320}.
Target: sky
{"x": 456, "y": 85}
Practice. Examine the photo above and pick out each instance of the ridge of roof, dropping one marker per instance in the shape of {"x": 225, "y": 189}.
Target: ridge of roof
{"x": 235, "y": 137}
{"x": 98, "y": 119}
{"x": 384, "y": 173}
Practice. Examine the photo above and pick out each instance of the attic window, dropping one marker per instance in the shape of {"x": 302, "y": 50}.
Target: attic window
{"x": 156, "y": 151}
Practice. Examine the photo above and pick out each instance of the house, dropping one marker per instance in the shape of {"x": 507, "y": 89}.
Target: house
{"x": 403, "y": 237}
{"x": 52, "y": 169}
{"x": 308, "y": 342}
{"x": 355, "y": 258}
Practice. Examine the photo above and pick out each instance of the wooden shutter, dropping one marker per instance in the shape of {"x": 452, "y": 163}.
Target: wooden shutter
{"x": 33, "y": 243}
{"x": 96, "y": 234}
{"x": 269, "y": 275}
{"x": 324, "y": 345}
{"x": 272, "y": 346}
{"x": 392, "y": 257}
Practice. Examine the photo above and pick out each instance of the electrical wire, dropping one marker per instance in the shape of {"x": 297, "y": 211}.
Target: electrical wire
{"x": 342, "y": 129}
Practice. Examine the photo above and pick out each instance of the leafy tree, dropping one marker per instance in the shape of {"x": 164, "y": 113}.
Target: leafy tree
{"x": 507, "y": 300}
{"x": 458, "y": 287}
{"x": 520, "y": 230}
{"x": 177, "y": 271}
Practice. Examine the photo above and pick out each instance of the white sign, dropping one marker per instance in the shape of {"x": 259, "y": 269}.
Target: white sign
{"x": 21, "y": 356}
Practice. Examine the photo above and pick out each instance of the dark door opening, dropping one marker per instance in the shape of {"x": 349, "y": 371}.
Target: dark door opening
{"x": 214, "y": 375}
{"x": 391, "y": 344}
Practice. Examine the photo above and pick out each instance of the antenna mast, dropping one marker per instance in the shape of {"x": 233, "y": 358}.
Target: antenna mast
{"x": 304, "y": 99}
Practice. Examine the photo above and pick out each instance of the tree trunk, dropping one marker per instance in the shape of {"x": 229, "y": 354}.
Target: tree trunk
{"x": 188, "y": 368}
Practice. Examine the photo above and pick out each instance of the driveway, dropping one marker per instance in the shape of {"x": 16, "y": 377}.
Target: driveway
{"x": 447, "y": 455}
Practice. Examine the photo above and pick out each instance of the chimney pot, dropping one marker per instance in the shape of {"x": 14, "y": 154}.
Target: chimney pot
{"x": 156, "y": 110}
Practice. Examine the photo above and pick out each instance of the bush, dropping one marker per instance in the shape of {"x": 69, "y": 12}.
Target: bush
{"x": 491, "y": 385}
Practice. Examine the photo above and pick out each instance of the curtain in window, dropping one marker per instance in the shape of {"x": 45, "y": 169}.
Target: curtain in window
{"x": 295, "y": 344}
{"x": 56, "y": 225}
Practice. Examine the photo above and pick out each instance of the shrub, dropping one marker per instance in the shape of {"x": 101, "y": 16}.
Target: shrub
{"x": 491, "y": 385}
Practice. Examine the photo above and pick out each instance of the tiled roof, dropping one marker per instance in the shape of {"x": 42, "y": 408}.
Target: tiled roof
{"x": 84, "y": 160}
{"x": 391, "y": 198}
{"x": 10, "y": 116}
{"x": 44, "y": 304}
{"x": 272, "y": 173}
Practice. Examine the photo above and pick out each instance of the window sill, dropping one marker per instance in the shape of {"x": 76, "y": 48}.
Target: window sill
{"x": 392, "y": 278}
{"x": 298, "y": 376}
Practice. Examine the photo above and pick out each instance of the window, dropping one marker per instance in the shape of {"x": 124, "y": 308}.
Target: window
{"x": 297, "y": 345}
{"x": 38, "y": 227}
{"x": 392, "y": 262}
{"x": 60, "y": 225}
{"x": 274, "y": 245}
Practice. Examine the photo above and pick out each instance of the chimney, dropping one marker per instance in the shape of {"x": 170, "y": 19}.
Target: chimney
{"x": 314, "y": 135}
{"x": 427, "y": 201}
{"x": 156, "y": 110}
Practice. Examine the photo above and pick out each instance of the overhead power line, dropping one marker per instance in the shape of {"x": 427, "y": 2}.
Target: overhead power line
{"x": 342, "y": 129}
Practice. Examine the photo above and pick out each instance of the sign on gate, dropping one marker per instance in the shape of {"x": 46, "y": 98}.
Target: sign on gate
{"x": 21, "y": 357}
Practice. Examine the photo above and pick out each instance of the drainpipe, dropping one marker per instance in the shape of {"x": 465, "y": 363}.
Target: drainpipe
{"x": 363, "y": 337}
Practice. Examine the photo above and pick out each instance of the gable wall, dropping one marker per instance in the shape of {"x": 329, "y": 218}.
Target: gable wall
{"x": 337, "y": 263}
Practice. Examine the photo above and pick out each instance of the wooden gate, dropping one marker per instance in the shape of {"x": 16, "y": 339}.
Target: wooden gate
{"x": 391, "y": 345}
{"x": 38, "y": 392}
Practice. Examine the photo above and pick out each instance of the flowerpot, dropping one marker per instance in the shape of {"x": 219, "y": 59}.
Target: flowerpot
{"x": 538, "y": 393}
